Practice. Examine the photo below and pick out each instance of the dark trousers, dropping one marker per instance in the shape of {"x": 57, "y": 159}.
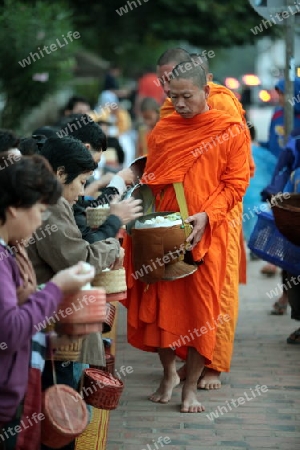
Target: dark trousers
{"x": 10, "y": 438}
{"x": 64, "y": 374}
{"x": 293, "y": 292}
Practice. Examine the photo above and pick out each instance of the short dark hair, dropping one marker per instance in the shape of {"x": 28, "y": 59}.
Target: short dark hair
{"x": 196, "y": 74}
{"x": 25, "y": 182}
{"x": 46, "y": 131}
{"x": 8, "y": 140}
{"x": 83, "y": 127}
{"x": 28, "y": 146}
{"x": 173, "y": 55}
{"x": 73, "y": 101}
{"x": 70, "y": 154}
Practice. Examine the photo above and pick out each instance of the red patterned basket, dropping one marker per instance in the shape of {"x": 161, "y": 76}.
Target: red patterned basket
{"x": 86, "y": 306}
{"x": 66, "y": 416}
{"x": 78, "y": 329}
{"x": 82, "y": 312}
{"x": 101, "y": 389}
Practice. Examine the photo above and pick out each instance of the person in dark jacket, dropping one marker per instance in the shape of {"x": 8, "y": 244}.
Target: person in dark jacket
{"x": 92, "y": 136}
{"x": 276, "y": 144}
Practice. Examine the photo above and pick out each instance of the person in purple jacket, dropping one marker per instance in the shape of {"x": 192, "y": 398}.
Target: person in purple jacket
{"x": 27, "y": 186}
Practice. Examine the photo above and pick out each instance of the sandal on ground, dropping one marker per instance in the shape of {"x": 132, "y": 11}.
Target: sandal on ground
{"x": 294, "y": 338}
{"x": 279, "y": 309}
{"x": 269, "y": 270}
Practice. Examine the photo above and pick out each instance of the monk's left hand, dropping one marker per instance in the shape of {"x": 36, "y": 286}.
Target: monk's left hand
{"x": 199, "y": 222}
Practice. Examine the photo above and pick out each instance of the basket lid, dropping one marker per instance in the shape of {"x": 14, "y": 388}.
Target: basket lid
{"x": 65, "y": 409}
{"x": 178, "y": 270}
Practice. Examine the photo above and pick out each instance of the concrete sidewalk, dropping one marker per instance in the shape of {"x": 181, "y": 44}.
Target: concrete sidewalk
{"x": 262, "y": 357}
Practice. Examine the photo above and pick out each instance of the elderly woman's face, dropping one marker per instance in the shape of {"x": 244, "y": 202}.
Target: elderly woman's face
{"x": 72, "y": 191}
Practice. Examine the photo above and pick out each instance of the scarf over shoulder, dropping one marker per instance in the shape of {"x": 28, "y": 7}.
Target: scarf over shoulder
{"x": 205, "y": 143}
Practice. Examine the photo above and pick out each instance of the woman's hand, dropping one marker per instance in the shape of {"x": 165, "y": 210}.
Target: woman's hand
{"x": 74, "y": 278}
{"x": 127, "y": 210}
{"x": 128, "y": 176}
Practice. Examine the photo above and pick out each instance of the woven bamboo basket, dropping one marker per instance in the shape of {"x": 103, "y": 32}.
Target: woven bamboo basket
{"x": 113, "y": 281}
{"x": 96, "y": 216}
{"x": 101, "y": 389}
{"x": 287, "y": 216}
{"x": 69, "y": 352}
{"x": 110, "y": 318}
{"x": 66, "y": 416}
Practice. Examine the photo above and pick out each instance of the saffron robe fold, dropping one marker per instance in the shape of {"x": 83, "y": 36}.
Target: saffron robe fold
{"x": 207, "y": 154}
{"x": 223, "y": 99}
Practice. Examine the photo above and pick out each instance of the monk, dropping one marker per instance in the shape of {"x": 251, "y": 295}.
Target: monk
{"x": 203, "y": 149}
{"x": 222, "y": 99}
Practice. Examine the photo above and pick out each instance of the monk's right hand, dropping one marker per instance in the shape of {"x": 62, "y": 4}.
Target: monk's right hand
{"x": 127, "y": 210}
{"x": 199, "y": 222}
{"x": 74, "y": 278}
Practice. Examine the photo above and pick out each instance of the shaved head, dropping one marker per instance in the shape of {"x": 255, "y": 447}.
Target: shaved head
{"x": 186, "y": 71}
{"x": 201, "y": 61}
{"x": 173, "y": 55}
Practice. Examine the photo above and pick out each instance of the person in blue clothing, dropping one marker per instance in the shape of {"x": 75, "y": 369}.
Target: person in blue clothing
{"x": 276, "y": 141}
{"x": 288, "y": 163}
{"x": 293, "y": 290}
{"x": 265, "y": 164}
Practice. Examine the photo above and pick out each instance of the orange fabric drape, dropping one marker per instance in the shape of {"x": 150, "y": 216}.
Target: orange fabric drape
{"x": 167, "y": 108}
{"x": 215, "y": 176}
{"x": 223, "y": 99}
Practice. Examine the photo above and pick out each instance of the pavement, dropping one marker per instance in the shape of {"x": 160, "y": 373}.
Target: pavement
{"x": 264, "y": 377}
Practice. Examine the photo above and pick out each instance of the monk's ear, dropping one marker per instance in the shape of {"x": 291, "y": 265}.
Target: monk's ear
{"x": 210, "y": 76}
{"x": 206, "y": 90}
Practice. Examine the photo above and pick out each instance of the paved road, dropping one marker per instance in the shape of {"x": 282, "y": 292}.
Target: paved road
{"x": 262, "y": 357}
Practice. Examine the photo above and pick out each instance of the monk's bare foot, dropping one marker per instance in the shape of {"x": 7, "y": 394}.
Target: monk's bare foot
{"x": 190, "y": 404}
{"x": 164, "y": 392}
{"x": 210, "y": 379}
{"x": 182, "y": 372}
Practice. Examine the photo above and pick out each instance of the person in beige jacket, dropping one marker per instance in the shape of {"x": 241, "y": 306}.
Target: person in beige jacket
{"x": 58, "y": 243}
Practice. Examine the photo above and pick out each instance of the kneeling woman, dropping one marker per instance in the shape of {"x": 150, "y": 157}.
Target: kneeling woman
{"x": 27, "y": 187}
{"x": 53, "y": 251}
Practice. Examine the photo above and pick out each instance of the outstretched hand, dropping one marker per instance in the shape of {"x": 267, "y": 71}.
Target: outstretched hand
{"x": 199, "y": 222}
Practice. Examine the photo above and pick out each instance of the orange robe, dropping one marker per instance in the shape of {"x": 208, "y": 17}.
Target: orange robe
{"x": 185, "y": 312}
{"x": 223, "y": 99}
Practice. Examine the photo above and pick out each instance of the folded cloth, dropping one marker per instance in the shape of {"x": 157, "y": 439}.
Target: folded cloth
{"x": 92, "y": 351}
